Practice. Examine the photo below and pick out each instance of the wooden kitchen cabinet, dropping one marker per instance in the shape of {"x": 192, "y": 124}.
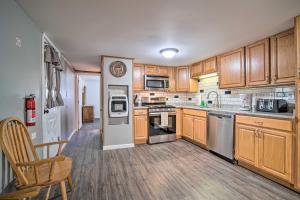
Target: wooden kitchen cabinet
{"x": 163, "y": 71}
{"x": 196, "y": 70}
{"x": 194, "y": 125}
{"x": 297, "y": 168}
{"x": 138, "y": 77}
{"x": 283, "y": 57}
{"x": 151, "y": 70}
{"x": 246, "y": 147}
{"x": 210, "y": 65}
{"x": 231, "y": 68}
{"x": 172, "y": 79}
{"x": 275, "y": 153}
{"x": 200, "y": 130}
{"x": 265, "y": 144}
{"x": 184, "y": 83}
{"x": 257, "y": 63}
{"x": 156, "y": 70}
{"x": 188, "y": 126}
{"x": 140, "y": 121}
{"x": 178, "y": 123}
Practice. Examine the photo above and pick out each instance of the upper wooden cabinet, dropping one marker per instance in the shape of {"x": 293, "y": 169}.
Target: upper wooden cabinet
{"x": 183, "y": 81}
{"x": 138, "y": 77}
{"x": 172, "y": 79}
{"x": 210, "y": 65}
{"x": 231, "y": 68}
{"x": 283, "y": 57}
{"x": 151, "y": 69}
{"x": 156, "y": 70}
{"x": 257, "y": 63}
{"x": 196, "y": 69}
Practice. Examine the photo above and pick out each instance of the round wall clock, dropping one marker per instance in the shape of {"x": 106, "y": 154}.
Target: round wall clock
{"x": 117, "y": 69}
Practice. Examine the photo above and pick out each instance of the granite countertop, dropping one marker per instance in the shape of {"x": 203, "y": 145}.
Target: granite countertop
{"x": 232, "y": 109}
{"x": 235, "y": 110}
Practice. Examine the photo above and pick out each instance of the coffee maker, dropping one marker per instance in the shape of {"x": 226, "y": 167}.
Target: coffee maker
{"x": 245, "y": 102}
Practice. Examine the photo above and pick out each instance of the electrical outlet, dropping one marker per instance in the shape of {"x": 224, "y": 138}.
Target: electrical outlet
{"x": 33, "y": 135}
{"x": 18, "y": 42}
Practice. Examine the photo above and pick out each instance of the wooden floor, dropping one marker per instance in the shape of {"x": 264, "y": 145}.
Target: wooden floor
{"x": 177, "y": 170}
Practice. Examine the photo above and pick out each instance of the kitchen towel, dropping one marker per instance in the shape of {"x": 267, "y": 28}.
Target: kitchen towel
{"x": 164, "y": 119}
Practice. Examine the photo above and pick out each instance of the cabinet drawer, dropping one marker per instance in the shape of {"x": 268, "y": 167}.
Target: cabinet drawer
{"x": 265, "y": 122}
{"x": 139, "y": 112}
{"x": 199, "y": 113}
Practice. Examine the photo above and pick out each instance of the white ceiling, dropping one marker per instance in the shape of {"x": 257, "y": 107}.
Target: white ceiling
{"x": 85, "y": 29}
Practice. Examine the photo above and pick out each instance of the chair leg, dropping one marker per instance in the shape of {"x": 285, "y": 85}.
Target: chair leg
{"x": 70, "y": 181}
{"x": 63, "y": 190}
{"x": 48, "y": 192}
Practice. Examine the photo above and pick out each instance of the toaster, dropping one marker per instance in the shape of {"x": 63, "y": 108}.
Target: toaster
{"x": 271, "y": 105}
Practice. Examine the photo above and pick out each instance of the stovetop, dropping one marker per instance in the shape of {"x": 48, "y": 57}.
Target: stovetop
{"x": 161, "y": 108}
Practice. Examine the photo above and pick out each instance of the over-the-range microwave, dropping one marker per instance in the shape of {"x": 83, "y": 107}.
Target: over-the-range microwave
{"x": 156, "y": 82}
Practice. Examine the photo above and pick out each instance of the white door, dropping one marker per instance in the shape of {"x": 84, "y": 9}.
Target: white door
{"x": 51, "y": 117}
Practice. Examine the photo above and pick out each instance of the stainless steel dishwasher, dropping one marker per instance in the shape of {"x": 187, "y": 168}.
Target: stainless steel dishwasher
{"x": 221, "y": 134}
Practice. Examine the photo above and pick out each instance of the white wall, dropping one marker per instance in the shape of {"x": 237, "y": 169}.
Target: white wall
{"x": 20, "y": 71}
{"x": 68, "y": 119}
{"x": 93, "y": 95}
{"x": 80, "y": 89}
{"x": 116, "y": 136}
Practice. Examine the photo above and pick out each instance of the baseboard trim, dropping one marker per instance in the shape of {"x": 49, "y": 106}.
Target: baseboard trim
{"x": 118, "y": 146}
{"x": 69, "y": 138}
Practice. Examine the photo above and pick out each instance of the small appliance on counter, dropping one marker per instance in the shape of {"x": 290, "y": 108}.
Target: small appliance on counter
{"x": 245, "y": 102}
{"x": 272, "y": 105}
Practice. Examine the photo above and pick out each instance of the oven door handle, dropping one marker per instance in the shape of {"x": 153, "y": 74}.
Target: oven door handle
{"x": 158, "y": 114}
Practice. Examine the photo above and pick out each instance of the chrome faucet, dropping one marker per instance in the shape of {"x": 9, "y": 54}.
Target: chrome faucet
{"x": 217, "y": 97}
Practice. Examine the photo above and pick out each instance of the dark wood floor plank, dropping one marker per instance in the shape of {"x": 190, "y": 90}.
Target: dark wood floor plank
{"x": 177, "y": 170}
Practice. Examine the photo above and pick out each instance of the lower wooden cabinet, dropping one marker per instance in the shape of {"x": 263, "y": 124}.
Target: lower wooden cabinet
{"x": 194, "y": 125}
{"x": 200, "y": 130}
{"x": 188, "y": 126}
{"x": 178, "y": 123}
{"x": 140, "y": 120}
{"x": 246, "y": 147}
{"x": 275, "y": 153}
{"x": 267, "y": 149}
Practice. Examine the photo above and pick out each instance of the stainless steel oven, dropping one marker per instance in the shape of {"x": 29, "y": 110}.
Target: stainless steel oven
{"x": 160, "y": 131}
{"x": 156, "y": 82}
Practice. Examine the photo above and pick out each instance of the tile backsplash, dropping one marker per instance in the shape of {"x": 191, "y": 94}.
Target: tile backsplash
{"x": 227, "y": 96}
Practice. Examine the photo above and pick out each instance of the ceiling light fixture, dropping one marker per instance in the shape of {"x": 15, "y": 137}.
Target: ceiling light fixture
{"x": 169, "y": 52}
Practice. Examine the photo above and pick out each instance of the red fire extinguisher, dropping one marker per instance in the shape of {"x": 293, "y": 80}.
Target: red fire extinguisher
{"x": 30, "y": 110}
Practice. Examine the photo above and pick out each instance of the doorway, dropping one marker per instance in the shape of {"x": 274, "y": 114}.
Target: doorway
{"x": 88, "y": 95}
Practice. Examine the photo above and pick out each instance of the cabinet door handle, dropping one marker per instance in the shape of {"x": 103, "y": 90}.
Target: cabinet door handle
{"x": 256, "y": 132}
{"x": 259, "y": 123}
{"x": 259, "y": 134}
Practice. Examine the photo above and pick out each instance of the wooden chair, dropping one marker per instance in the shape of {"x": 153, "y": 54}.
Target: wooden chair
{"x": 21, "y": 194}
{"x": 28, "y": 168}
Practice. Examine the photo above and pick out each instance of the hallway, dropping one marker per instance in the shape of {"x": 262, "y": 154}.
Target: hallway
{"x": 177, "y": 170}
